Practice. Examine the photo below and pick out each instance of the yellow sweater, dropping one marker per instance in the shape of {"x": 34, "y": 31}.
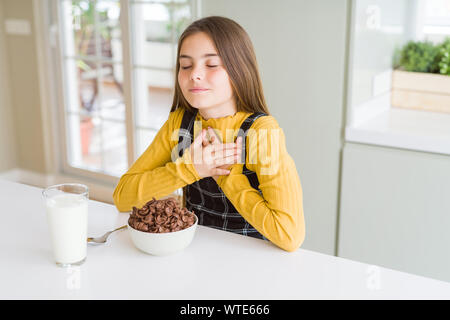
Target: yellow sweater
{"x": 278, "y": 214}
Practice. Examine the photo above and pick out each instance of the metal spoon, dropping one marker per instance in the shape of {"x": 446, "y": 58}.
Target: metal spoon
{"x": 104, "y": 237}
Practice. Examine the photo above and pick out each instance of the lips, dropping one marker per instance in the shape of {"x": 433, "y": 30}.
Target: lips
{"x": 197, "y": 90}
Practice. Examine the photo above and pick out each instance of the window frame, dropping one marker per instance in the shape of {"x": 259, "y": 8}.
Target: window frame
{"x": 57, "y": 78}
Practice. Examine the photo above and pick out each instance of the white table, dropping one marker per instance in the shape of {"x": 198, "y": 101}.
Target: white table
{"x": 216, "y": 265}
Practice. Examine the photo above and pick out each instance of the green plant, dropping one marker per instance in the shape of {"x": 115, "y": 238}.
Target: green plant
{"x": 423, "y": 56}
{"x": 443, "y": 58}
{"x": 418, "y": 56}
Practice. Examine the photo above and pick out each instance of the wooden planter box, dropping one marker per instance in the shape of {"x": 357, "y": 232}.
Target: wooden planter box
{"x": 420, "y": 91}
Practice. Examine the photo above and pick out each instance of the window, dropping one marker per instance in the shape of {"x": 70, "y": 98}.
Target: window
{"x": 118, "y": 63}
{"x": 436, "y": 20}
{"x": 379, "y": 29}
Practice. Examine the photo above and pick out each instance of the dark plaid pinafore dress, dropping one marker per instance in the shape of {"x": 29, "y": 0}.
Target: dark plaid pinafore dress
{"x": 205, "y": 197}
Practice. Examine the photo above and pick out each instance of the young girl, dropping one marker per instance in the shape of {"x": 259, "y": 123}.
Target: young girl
{"x": 220, "y": 144}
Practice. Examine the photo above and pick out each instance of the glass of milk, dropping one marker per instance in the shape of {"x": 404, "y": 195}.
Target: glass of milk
{"x": 67, "y": 215}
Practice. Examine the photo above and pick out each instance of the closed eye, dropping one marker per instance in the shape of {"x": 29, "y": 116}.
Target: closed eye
{"x": 184, "y": 68}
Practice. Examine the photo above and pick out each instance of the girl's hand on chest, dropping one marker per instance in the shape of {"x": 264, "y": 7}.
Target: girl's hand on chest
{"x": 215, "y": 141}
{"x": 211, "y": 158}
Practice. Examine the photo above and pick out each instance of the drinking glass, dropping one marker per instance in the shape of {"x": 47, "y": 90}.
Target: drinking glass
{"x": 67, "y": 215}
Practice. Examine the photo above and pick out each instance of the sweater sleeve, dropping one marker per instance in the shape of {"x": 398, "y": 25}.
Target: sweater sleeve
{"x": 278, "y": 212}
{"x": 154, "y": 174}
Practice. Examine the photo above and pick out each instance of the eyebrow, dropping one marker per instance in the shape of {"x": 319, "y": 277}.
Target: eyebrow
{"x": 204, "y": 56}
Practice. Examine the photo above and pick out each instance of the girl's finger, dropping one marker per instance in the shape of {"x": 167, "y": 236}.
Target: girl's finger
{"x": 220, "y": 172}
{"x": 222, "y": 147}
{"x": 205, "y": 140}
{"x": 213, "y": 136}
{"x": 227, "y": 160}
{"x": 239, "y": 142}
{"x": 198, "y": 140}
{"x": 196, "y": 148}
{"x": 207, "y": 153}
{"x": 218, "y": 154}
{"x": 219, "y": 150}
{"x": 240, "y": 151}
{"x": 230, "y": 145}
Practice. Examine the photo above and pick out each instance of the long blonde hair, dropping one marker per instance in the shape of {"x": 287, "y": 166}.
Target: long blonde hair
{"x": 236, "y": 50}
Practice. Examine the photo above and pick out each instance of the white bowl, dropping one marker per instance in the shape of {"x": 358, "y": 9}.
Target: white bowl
{"x": 160, "y": 244}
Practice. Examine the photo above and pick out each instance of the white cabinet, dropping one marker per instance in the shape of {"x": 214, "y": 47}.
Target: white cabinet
{"x": 395, "y": 209}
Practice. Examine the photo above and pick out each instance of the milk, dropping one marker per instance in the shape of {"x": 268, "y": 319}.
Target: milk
{"x": 67, "y": 216}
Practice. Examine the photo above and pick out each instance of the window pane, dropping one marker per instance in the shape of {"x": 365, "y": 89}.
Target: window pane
{"x": 81, "y": 80}
{"x": 84, "y": 142}
{"x": 87, "y": 75}
{"x": 72, "y": 85}
{"x": 79, "y": 27}
{"x": 109, "y": 29}
{"x": 112, "y": 102}
{"x": 114, "y": 148}
{"x": 97, "y": 145}
{"x": 93, "y": 77}
{"x": 154, "y": 92}
{"x": 436, "y": 26}
{"x": 161, "y": 1}
{"x": 152, "y": 32}
{"x": 144, "y": 138}
{"x": 437, "y": 13}
{"x": 182, "y": 16}
{"x": 92, "y": 28}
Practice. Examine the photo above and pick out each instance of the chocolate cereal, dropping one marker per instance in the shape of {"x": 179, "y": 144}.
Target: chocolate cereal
{"x": 161, "y": 216}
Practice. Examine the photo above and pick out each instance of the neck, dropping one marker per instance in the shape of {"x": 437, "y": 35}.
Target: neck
{"x": 218, "y": 111}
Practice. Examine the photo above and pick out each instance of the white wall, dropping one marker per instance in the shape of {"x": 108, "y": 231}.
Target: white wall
{"x": 8, "y": 149}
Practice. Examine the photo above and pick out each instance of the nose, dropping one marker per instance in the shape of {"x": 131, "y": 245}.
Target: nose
{"x": 196, "y": 74}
